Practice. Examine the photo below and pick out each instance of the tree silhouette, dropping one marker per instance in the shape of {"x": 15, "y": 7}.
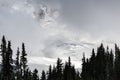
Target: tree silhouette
{"x": 49, "y": 77}
{"x": 3, "y": 54}
{"x": 23, "y": 62}
{"x": 35, "y": 75}
{"x": 9, "y": 62}
{"x": 43, "y": 76}
{"x": 59, "y": 69}
{"x": 17, "y": 64}
{"x": 101, "y": 65}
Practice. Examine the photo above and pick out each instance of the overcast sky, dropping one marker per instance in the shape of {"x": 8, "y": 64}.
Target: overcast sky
{"x": 59, "y": 28}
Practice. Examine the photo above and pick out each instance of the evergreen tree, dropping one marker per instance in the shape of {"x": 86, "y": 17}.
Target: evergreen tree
{"x": 17, "y": 64}
{"x": 43, "y": 77}
{"x": 9, "y": 62}
{"x": 54, "y": 73}
{"x": 92, "y": 65}
{"x": 49, "y": 77}
{"x": 23, "y": 62}
{"x": 117, "y": 62}
{"x": 35, "y": 75}
{"x": 84, "y": 68}
{"x": 67, "y": 71}
{"x": 101, "y": 63}
{"x": 111, "y": 66}
{"x": 7, "y": 69}
{"x": 59, "y": 69}
{"x": 3, "y": 54}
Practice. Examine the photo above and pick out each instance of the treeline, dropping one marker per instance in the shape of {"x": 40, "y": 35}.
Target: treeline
{"x": 62, "y": 71}
{"x": 104, "y": 64}
{"x": 18, "y": 69}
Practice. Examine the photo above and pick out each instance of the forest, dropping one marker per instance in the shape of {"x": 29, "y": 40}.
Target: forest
{"x": 103, "y": 64}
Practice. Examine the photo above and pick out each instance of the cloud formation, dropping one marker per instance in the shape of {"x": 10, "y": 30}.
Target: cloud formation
{"x": 59, "y": 28}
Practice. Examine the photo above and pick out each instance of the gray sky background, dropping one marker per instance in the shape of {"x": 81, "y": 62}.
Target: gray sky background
{"x": 59, "y": 28}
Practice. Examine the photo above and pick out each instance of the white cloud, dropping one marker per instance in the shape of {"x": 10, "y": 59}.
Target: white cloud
{"x": 40, "y": 25}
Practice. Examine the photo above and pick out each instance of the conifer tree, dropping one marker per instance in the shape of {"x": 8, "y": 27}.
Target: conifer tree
{"x": 101, "y": 61}
{"x": 84, "y": 68}
{"x": 6, "y": 53}
{"x": 17, "y": 64}
{"x": 67, "y": 71}
{"x": 43, "y": 76}
{"x": 23, "y": 62}
{"x": 3, "y": 54}
{"x": 59, "y": 69}
{"x": 49, "y": 77}
{"x": 111, "y": 66}
{"x": 54, "y": 73}
{"x": 35, "y": 75}
{"x": 117, "y": 62}
{"x": 9, "y": 62}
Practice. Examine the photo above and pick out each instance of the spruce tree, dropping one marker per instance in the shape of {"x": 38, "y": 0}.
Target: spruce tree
{"x": 117, "y": 62}
{"x": 54, "y": 73}
{"x": 101, "y": 63}
{"x": 84, "y": 68}
{"x": 35, "y": 75}
{"x": 3, "y": 54}
{"x": 6, "y": 53}
{"x": 43, "y": 76}
{"x": 67, "y": 71}
{"x": 9, "y": 62}
{"x": 23, "y": 62}
{"x": 59, "y": 69}
{"x": 17, "y": 64}
{"x": 49, "y": 77}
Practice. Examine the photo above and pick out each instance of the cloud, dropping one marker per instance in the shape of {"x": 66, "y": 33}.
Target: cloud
{"x": 54, "y": 28}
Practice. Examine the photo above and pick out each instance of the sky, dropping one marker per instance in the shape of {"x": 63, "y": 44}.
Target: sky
{"x": 59, "y": 28}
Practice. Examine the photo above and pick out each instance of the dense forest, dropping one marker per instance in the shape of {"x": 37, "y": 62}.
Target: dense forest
{"x": 104, "y": 64}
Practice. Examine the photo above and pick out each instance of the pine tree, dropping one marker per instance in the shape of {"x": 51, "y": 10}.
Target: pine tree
{"x": 35, "y": 75}
{"x": 59, "y": 69}
{"x": 111, "y": 66}
{"x": 3, "y": 54}
{"x": 92, "y": 65}
{"x": 49, "y": 77}
{"x": 117, "y": 62}
{"x": 84, "y": 68}
{"x": 67, "y": 71}
{"x": 43, "y": 77}
{"x": 54, "y": 73}
{"x": 23, "y": 62}
{"x": 9, "y": 62}
{"x": 101, "y": 61}
{"x": 6, "y": 53}
{"x": 17, "y": 64}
